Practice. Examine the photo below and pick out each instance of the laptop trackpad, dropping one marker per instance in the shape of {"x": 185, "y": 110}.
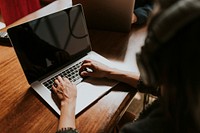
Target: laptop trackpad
{"x": 90, "y": 90}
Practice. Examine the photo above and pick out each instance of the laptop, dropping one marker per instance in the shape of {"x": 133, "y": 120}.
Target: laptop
{"x": 57, "y": 44}
{"x": 107, "y": 14}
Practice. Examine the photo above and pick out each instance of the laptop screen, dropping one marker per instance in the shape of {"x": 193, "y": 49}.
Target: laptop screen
{"x": 51, "y": 42}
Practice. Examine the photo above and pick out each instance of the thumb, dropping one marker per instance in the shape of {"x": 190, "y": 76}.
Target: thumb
{"x": 85, "y": 73}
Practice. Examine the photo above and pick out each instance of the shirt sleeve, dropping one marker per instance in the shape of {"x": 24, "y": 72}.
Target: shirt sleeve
{"x": 141, "y": 87}
{"x": 142, "y": 13}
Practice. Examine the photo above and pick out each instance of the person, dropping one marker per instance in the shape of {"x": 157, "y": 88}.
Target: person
{"x": 142, "y": 11}
{"x": 168, "y": 61}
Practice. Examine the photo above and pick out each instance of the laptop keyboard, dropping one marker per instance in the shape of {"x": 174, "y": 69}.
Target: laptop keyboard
{"x": 71, "y": 73}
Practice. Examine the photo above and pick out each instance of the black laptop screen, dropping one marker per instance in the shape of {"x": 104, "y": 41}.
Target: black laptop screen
{"x": 48, "y": 43}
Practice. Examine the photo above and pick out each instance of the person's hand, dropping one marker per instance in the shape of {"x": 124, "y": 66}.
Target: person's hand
{"x": 134, "y": 18}
{"x": 93, "y": 68}
{"x": 65, "y": 90}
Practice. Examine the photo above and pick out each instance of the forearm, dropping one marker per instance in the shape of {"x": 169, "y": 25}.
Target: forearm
{"x": 67, "y": 116}
{"x": 129, "y": 78}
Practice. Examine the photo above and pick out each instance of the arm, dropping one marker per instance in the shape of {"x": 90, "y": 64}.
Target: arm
{"x": 66, "y": 92}
{"x": 102, "y": 71}
{"x": 99, "y": 70}
{"x": 129, "y": 78}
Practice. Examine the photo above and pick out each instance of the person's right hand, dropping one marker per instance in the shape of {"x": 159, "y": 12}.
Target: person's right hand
{"x": 65, "y": 90}
{"x": 96, "y": 69}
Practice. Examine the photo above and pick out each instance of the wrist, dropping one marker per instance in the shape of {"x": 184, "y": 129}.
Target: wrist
{"x": 67, "y": 116}
{"x": 68, "y": 103}
{"x": 109, "y": 73}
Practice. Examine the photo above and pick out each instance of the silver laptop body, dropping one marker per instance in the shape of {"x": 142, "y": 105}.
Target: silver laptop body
{"x": 56, "y": 44}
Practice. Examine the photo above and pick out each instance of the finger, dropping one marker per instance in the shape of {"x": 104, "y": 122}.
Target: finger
{"x": 56, "y": 82}
{"x": 86, "y": 61}
{"x": 59, "y": 91}
{"x": 85, "y": 66}
{"x": 88, "y": 64}
{"x": 66, "y": 80}
{"x": 54, "y": 88}
{"x": 60, "y": 79}
{"x": 85, "y": 74}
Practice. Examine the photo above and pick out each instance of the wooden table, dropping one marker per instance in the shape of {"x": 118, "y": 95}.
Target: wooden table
{"x": 23, "y": 111}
